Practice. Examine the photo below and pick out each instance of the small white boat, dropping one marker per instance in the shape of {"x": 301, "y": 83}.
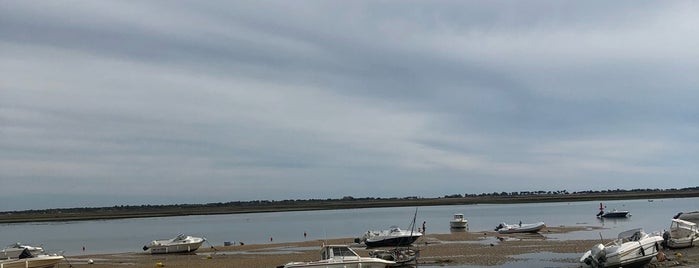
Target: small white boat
{"x": 505, "y": 228}
{"x": 394, "y": 236}
{"x": 41, "y": 261}
{"x": 181, "y": 243}
{"x": 458, "y": 221}
{"x": 341, "y": 256}
{"x": 13, "y": 251}
{"x": 682, "y": 234}
{"x": 692, "y": 216}
{"x": 631, "y": 247}
{"x": 402, "y": 256}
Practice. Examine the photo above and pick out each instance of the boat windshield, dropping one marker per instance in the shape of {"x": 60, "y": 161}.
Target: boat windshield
{"x": 343, "y": 252}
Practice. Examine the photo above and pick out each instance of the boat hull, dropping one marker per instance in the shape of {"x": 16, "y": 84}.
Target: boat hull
{"x": 35, "y": 262}
{"x": 615, "y": 214}
{"x": 525, "y": 228}
{"x": 182, "y": 248}
{"x": 458, "y": 224}
{"x": 391, "y": 242}
{"x": 344, "y": 264}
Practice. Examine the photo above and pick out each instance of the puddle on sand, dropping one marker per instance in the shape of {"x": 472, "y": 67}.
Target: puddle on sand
{"x": 541, "y": 259}
{"x": 279, "y": 250}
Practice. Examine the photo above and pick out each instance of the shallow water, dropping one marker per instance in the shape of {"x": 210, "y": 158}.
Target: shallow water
{"x": 129, "y": 235}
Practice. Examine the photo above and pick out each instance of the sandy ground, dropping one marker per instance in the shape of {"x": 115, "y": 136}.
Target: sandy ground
{"x": 453, "y": 249}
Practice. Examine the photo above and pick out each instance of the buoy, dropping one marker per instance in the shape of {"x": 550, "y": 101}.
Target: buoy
{"x": 159, "y": 264}
{"x": 90, "y": 261}
{"x": 679, "y": 255}
{"x": 208, "y": 256}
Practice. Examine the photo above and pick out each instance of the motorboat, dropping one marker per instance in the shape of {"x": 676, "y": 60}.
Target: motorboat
{"x": 341, "y": 256}
{"x": 458, "y": 221}
{"x": 612, "y": 214}
{"x": 682, "y": 234}
{"x": 40, "y": 261}
{"x": 13, "y": 251}
{"x": 692, "y": 216}
{"x": 393, "y": 236}
{"x": 505, "y": 228}
{"x": 181, "y": 243}
{"x": 631, "y": 247}
{"x": 402, "y": 256}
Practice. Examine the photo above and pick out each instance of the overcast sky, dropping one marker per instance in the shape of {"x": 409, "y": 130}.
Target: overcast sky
{"x": 108, "y": 103}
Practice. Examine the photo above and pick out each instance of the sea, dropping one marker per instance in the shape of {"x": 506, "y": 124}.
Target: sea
{"x": 129, "y": 235}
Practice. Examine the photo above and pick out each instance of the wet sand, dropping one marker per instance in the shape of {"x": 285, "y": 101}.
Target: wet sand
{"x": 453, "y": 249}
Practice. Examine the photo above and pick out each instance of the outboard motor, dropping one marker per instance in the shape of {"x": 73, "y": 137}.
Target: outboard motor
{"x": 500, "y": 226}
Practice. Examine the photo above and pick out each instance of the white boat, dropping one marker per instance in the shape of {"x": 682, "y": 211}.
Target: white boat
{"x": 632, "y": 247}
{"x": 682, "y": 234}
{"x": 402, "y": 256}
{"x": 692, "y": 216}
{"x": 181, "y": 243}
{"x": 341, "y": 256}
{"x": 41, "y": 261}
{"x": 394, "y": 236}
{"x": 458, "y": 221}
{"x": 505, "y": 228}
{"x": 13, "y": 251}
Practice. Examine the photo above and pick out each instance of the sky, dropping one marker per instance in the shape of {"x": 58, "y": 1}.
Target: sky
{"x": 107, "y": 103}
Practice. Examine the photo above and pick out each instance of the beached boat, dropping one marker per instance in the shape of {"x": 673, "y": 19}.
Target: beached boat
{"x": 682, "y": 234}
{"x": 181, "y": 243}
{"x": 692, "y": 216}
{"x": 505, "y": 228}
{"x": 341, "y": 256}
{"x": 458, "y": 221}
{"x": 393, "y": 236}
{"x": 402, "y": 256}
{"x": 41, "y": 261}
{"x": 13, "y": 251}
{"x": 632, "y": 247}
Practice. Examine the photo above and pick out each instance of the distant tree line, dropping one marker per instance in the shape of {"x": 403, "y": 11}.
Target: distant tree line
{"x": 346, "y": 199}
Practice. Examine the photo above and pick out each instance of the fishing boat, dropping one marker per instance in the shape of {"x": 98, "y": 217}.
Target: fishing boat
{"x": 505, "y": 228}
{"x": 393, "y": 236}
{"x": 612, "y": 214}
{"x": 632, "y": 247}
{"x": 181, "y": 243}
{"x": 458, "y": 221}
{"x": 341, "y": 256}
{"x": 40, "y": 261}
{"x": 692, "y": 216}
{"x": 13, "y": 251}
{"x": 682, "y": 234}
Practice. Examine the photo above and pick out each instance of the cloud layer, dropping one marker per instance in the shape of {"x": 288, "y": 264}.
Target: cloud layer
{"x": 120, "y": 102}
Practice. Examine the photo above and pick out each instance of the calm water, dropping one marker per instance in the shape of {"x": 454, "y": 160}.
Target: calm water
{"x": 129, "y": 235}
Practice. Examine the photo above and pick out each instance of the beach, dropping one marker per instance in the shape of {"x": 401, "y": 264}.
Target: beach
{"x": 460, "y": 249}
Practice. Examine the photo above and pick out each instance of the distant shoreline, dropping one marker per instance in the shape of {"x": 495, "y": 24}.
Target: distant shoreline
{"x": 121, "y": 212}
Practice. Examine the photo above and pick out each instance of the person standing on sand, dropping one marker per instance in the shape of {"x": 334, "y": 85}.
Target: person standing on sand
{"x": 424, "y": 229}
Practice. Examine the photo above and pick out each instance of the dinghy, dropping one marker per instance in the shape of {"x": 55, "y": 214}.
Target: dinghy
{"x": 505, "y": 228}
{"x": 682, "y": 234}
